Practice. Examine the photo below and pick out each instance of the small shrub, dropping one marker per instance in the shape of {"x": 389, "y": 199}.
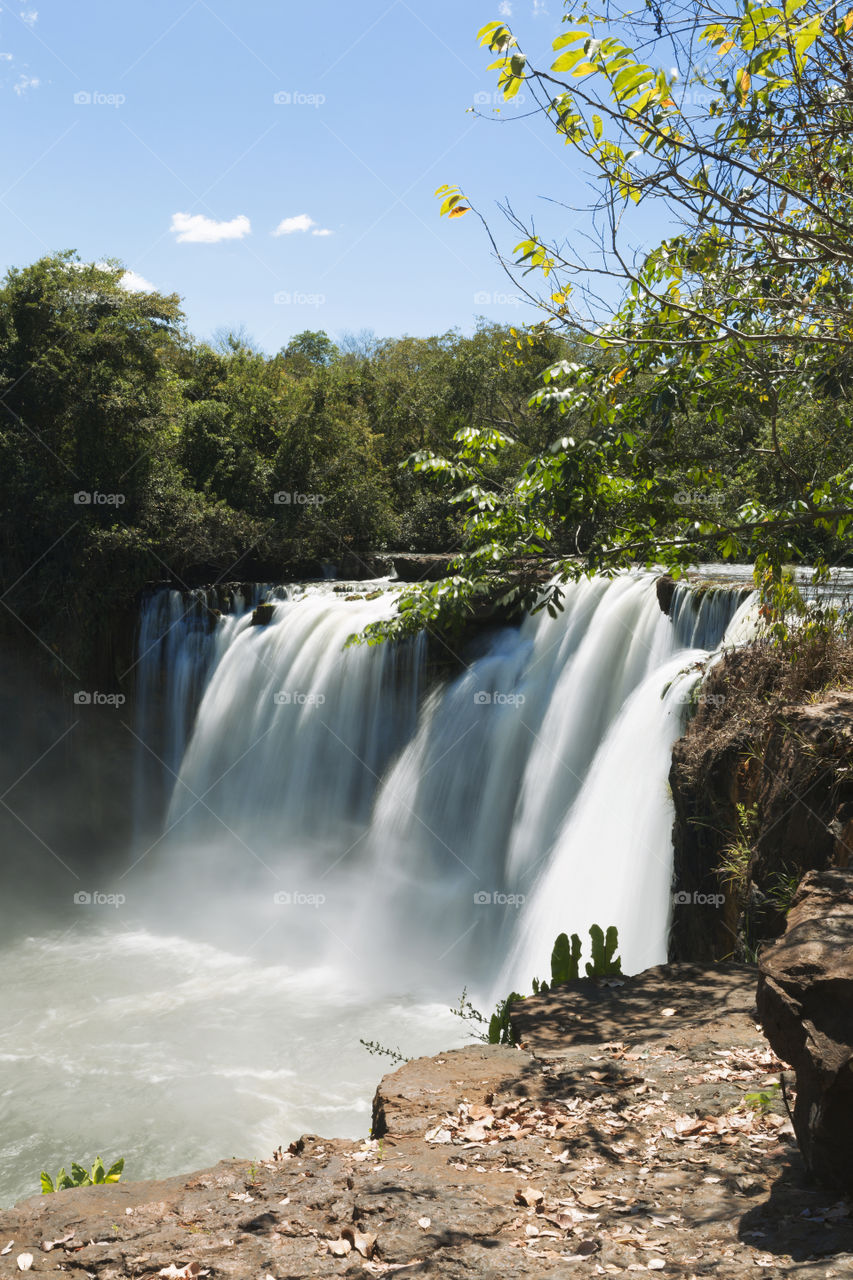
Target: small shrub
{"x": 80, "y": 1177}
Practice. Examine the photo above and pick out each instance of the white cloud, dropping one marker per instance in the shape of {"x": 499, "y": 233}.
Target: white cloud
{"x": 300, "y": 222}
{"x": 505, "y": 9}
{"x": 133, "y": 282}
{"x": 287, "y": 226}
{"x": 30, "y": 16}
{"x": 195, "y": 228}
{"x": 5, "y": 57}
{"x": 25, "y": 83}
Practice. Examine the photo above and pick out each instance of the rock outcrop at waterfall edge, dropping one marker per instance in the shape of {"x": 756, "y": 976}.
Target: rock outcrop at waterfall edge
{"x": 762, "y": 781}
{"x": 805, "y": 1004}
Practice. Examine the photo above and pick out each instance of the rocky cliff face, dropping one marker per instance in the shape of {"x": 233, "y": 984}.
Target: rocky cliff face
{"x": 762, "y": 783}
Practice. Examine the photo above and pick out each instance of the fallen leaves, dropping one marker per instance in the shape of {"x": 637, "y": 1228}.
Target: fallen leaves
{"x": 25, "y": 1261}
{"x": 756, "y": 1126}
{"x": 364, "y": 1242}
{"x": 47, "y": 1245}
{"x": 187, "y": 1272}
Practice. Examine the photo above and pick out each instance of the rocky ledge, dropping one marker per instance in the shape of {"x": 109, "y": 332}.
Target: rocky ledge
{"x": 625, "y": 1135}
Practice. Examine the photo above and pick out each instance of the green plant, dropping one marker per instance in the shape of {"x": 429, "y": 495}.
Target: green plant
{"x": 565, "y": 958}
{"x": 604, "y": 947}
{"x": 80, "y": 1177}
{"x": 762, "y": 1099}
{"x": 373, "y": 1046}
{"x": 783, "y": 890}
{"x": 565, "y": 966}
{"x": 733, "y": 867}
{"x": 500, "y": 1031}
{"x": 466, "y": 1011}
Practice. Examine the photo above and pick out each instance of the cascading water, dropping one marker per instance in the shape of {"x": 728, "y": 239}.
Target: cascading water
{"x": 447, "y": 831}
{"x": 327, "y": 844}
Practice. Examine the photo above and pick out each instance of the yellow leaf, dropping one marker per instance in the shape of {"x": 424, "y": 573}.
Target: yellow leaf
{"x": 619, "y": 375}
{"x": 458, "y": 211}
{"x": 724, "y": 48}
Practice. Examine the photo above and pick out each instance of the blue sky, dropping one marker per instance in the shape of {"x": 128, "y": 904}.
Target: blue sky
{"x": 275, "y": 163}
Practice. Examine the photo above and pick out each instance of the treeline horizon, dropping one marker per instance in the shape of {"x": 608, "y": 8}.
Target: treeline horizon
{"x": 132, "y": 453}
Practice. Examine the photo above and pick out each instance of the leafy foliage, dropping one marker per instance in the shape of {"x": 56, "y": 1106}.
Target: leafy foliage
{"x": 130, "y": 453}
{"x": 707, "y": 414}
{"x": 80, "y": 1177}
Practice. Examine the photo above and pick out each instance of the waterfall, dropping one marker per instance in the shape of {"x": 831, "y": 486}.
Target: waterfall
{"x": 329, "y": 802}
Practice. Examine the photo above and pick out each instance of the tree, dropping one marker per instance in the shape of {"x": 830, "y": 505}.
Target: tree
{"x": 725, "y": 331}
{"x": 313, "y": 348}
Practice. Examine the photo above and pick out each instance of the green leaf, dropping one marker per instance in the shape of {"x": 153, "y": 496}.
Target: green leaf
{"x": 46, "y": 1184}
{"x": 568, "y": 60}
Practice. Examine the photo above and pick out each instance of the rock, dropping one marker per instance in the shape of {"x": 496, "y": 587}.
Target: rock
{"x": 263, "y": 614}
{"x": 805, "y": 1004}
{"x": 665, "y": 589}
{"x": 415, "y": 566}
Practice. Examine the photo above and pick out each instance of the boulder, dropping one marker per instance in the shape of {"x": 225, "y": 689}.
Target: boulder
{"x": 805, "y": 1005}
{"x": 665, "y": 590}
{"x": 263, "y": 614}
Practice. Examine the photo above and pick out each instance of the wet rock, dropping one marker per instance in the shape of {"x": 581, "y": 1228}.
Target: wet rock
{"x": 263, "y": 614}
{"x": 665, "y": 589}
{"x": 805, "y": 1003}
